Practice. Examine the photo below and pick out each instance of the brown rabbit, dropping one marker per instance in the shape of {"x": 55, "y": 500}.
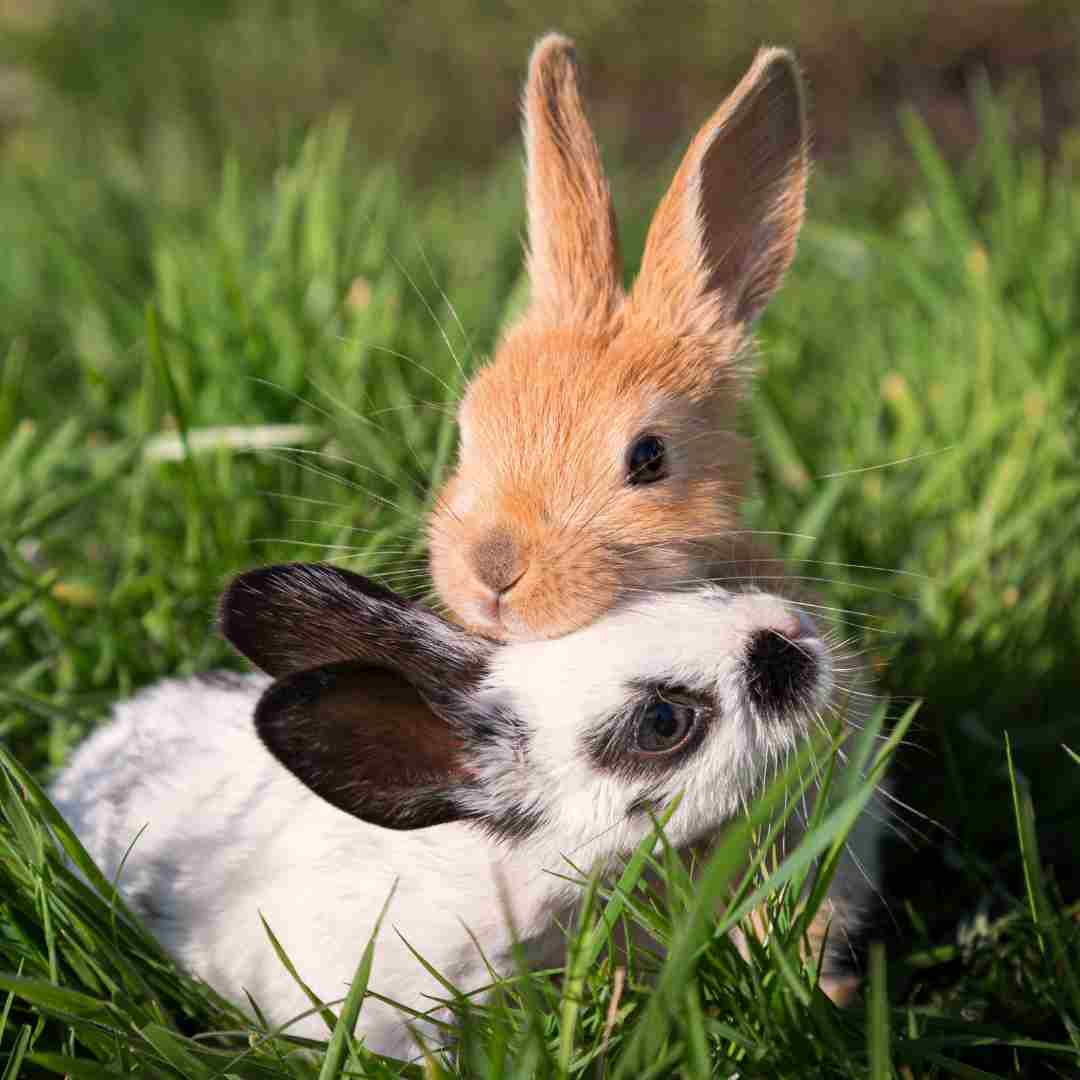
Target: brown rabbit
{"x": 598, "y": 456}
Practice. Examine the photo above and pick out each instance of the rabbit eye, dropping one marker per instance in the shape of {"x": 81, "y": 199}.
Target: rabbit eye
{"x": 646, "y": 462}
{"x": 664, "y": 725}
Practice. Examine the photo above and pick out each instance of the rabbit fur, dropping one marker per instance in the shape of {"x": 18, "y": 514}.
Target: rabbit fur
{"x": 386, "y": 750}
{"x": 598, "y": 452}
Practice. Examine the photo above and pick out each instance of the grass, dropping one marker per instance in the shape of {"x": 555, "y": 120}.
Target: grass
{"x": 916, "y": 429}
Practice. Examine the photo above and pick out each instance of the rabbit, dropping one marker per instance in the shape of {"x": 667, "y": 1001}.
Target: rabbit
{"x": 598, "y": 452}
{"x": 385, "y": 752}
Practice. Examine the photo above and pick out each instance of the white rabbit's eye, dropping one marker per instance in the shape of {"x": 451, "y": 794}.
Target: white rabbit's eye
{"x": 646, "y": 461}
{"x": 664, "y": 725}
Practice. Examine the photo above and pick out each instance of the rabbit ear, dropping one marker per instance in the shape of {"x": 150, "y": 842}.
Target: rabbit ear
{"x": 364, "y": 739}
{"x": 574, "y": 265}
{"x": 297, "y": 616}
{"x": 375, "y": 700}
{"x": 725, "y": 232}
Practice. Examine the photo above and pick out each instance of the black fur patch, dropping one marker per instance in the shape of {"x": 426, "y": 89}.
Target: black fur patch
{"x": 492, "y": 722}
{"x": 780, "y": 674}
{"x": 516, "y": 822}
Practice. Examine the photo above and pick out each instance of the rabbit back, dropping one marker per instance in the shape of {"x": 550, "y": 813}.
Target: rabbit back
{"x": 204, "y": 831}
{"x": 164, "y": 754}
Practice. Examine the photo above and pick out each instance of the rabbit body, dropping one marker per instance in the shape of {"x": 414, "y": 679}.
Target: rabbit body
{"x": 230, "y": 834}
{"x": 312, "y": 798}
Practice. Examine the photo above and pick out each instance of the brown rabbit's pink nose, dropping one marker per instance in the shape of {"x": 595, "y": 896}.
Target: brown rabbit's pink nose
{"x": 496, "y": 560}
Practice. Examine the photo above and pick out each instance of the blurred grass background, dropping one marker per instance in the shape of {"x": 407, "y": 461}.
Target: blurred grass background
{"x": 434, "y": 87}
{"x": 245, "y": 213}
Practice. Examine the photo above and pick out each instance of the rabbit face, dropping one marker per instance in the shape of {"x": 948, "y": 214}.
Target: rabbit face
{"x": 604, "y": 478}
{"x": 561, "y": 743}
{"x": 695, "y": 693}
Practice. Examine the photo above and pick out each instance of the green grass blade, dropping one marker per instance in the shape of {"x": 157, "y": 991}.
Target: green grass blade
{"x": 318, "y": 1004}
{"x": 18, "y": 1053}
{"x": 877, "y": 1026}
{"x": 174, "y": 1051}
{"x": 1042, "y": 913}
{"x": 81, "y": 1069}
{"x": 341, "y": 1039}
{"x": 70, "y": 843}
{"x": 55, "y": 999}
{"x": 574, "y": 980}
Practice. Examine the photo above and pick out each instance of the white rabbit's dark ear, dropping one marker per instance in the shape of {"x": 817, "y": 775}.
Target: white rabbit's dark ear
{"x": 379, "y": 706}
{"x": 364, "y": 739}
{"x": 725, "y": 232}
{"x": 297, "y": 616}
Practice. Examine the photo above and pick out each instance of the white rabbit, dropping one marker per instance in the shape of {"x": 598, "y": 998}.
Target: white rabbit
{"x": 395, "y": 747}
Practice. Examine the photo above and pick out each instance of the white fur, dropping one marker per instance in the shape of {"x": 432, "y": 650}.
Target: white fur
{"x": 231, "y": 833}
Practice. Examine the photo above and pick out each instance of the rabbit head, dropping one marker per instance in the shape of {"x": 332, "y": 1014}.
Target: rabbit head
{"x": 597, "y": 450}
{"x": 406, "y": 721}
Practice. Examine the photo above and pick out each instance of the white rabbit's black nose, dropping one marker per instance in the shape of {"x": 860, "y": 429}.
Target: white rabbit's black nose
{"x": 781, "y": 671}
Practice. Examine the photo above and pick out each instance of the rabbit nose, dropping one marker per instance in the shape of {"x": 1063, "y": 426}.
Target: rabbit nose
{"x": 781, "y": 671}
{"x": 796, "y": 625}
{"x": 496, "y": 561}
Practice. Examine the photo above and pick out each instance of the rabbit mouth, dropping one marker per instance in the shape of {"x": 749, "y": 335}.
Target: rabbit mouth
{"x": 489, "y": 607}
{"x": 490, "y": 612}
{"x": 538, "y": 604}
{"x": 509, "y": 588}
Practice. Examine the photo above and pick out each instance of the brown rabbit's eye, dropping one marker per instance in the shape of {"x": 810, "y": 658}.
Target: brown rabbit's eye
{"x": 646, "y": 462}
{"x": 664, "y": 725}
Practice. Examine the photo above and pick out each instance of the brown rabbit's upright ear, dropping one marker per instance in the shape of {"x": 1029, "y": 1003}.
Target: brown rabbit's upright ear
{"x": 725, "y": 232}
{"x": 574, "y": 265}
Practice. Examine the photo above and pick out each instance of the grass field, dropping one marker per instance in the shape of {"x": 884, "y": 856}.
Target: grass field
{"x": 917, "y": 429}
